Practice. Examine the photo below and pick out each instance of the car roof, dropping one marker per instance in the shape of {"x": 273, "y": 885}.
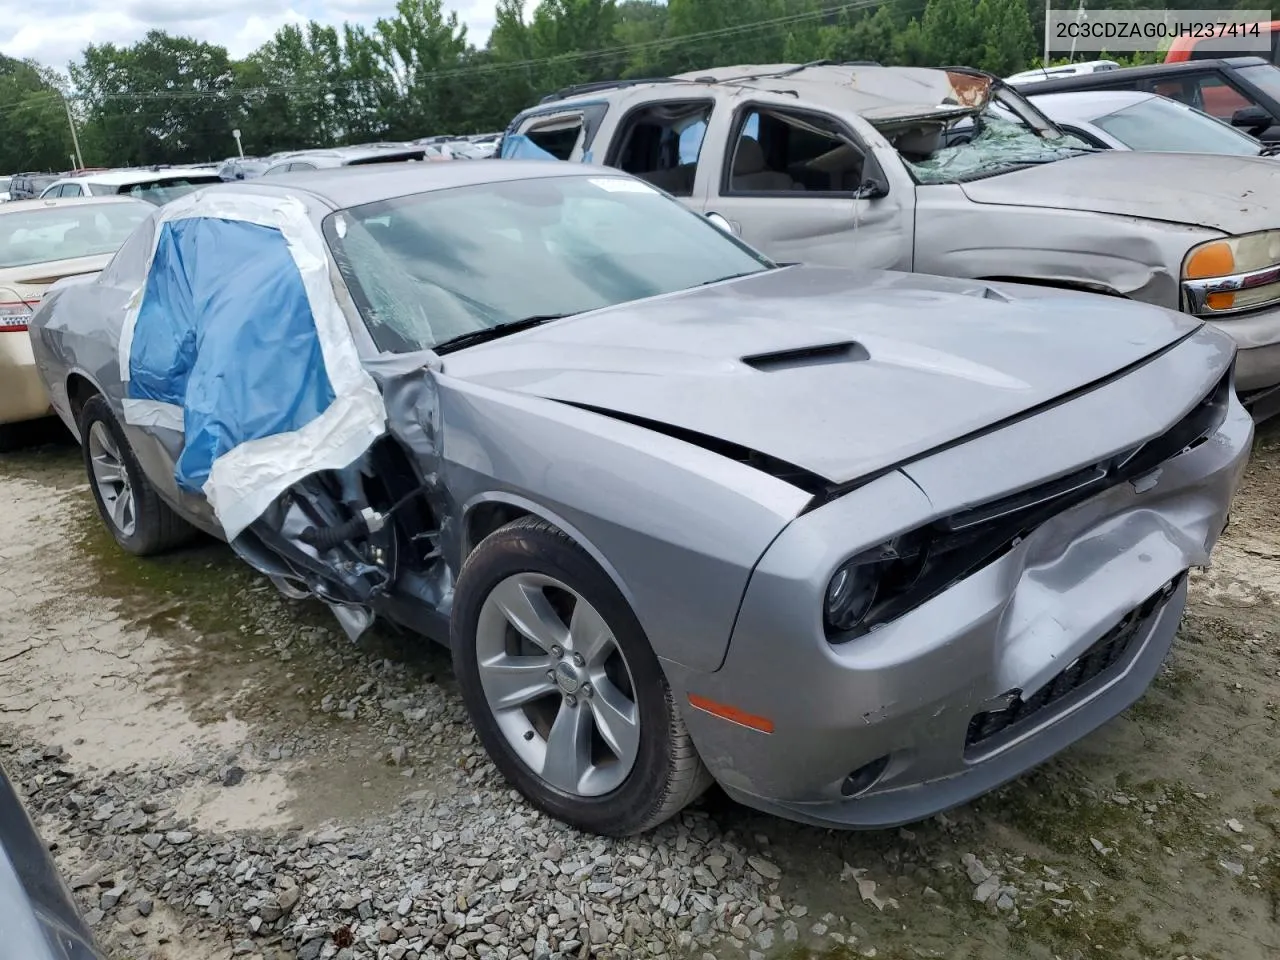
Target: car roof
{"x": 1153, "y": 71}
{"x": 17, "y": 206}
{"x": 118, "y": 178}
{"x": 1085, "y": 105}
{"x": 341, "y": 187}
{"x": 873, "y": 91}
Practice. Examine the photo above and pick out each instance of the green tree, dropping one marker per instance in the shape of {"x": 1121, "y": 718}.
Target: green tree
{"x": 34, "y": 134}
{"x": 163, "y": 100}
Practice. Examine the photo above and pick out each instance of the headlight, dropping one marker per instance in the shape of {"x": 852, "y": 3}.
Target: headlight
{"x": 872, "y": 581}
{"x": 1233, "y": 274}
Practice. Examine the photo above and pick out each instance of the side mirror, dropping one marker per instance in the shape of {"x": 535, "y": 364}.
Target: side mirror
{"x": 871, "y": 190}
{"x": 721, "y": 223}
{"x": 1253, "y": 119}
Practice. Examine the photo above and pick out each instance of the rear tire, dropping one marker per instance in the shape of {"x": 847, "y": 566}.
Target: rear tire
{"x": 633, "y": 764}
{"x": 140, "y": 521}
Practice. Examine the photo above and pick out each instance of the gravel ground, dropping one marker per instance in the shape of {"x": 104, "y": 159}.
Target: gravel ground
{"x": 221, "y": 774}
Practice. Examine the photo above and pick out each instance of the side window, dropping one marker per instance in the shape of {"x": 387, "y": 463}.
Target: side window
{"x": 661, "y": 143}
{"x": 559, "y": 135}
{"x": 783, "y": 151}
{"x": 1207, "y": 92}
{"x": 301, "y": 166}
{"x": 72, "y": 190}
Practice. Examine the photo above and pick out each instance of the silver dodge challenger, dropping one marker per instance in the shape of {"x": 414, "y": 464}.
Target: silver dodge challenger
{"x": 858, "y": 546}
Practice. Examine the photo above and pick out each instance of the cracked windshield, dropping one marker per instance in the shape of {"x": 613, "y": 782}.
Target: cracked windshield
{"x": 639, "y": 480}
{"x": 986, "y": 144}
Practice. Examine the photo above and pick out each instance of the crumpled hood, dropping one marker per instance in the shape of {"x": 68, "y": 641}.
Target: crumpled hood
{"x": 1231, "y": 194}
{"x": 930, "y": 359}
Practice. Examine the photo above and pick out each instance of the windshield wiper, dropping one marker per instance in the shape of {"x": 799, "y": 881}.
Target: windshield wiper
{"x": 1269, "y": 150}
{"x": 494, "y": 332}
{"x": 734, "y": 276}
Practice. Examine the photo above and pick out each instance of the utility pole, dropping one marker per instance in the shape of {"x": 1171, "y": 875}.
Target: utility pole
{"x": 1048, "y": 12}
{"x": 1081, "y": 17}
{"x": 75, "y": 138}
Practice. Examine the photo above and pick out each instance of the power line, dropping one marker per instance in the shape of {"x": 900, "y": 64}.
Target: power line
{"x": 490, "y": 68}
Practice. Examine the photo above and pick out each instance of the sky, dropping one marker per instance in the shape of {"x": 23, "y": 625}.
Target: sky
{"x": 54, "y": 32}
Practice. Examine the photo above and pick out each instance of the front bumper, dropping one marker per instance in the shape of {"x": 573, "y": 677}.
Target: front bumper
{"x": 22, "y": 395}
{"x": 1257, "y": 337}
{"x": 908, "y": 700}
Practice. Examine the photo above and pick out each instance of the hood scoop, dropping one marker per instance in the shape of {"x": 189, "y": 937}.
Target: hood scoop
{"x": 847, "y": 352}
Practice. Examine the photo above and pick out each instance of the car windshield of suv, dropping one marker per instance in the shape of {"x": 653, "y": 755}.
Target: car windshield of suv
{"x": 1162, "y": 125}
{"x": 66, "y": 231}
{"x": 1264, "y": 76}
{"x": 432, "y": 267}
{"x": 986, "y": 144}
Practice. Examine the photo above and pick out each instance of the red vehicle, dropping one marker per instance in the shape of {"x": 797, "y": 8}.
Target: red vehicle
{"x": 1215, "y": 48}
{"x": 1222, "y": 101}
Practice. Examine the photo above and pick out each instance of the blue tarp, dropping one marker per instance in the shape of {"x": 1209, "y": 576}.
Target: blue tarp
{"x": 243, "y": 360}
{"x": 517, "y": 146}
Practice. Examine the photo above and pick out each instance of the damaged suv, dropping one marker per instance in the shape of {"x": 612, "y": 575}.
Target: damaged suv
{"x": 648, "y": 484}
{"x": 947, "y": 172}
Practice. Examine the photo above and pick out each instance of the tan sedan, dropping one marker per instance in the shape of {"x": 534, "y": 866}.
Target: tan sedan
{"x": 42, "y": 241}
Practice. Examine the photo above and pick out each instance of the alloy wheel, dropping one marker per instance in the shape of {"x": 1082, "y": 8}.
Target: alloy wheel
{"x": 558, "y": 685}
{"x": 111, "y": 478}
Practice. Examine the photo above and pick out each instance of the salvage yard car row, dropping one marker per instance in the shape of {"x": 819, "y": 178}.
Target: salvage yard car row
{"x": 633, "y": 439}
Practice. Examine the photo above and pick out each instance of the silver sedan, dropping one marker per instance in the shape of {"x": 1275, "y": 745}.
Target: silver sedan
{"x": 858, "y": 546}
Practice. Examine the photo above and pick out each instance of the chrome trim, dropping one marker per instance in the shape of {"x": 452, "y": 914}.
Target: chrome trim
{"x": 1197, "y": 291}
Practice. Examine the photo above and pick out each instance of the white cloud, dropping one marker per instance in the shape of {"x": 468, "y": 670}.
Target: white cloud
{"x": 61, "y": 29}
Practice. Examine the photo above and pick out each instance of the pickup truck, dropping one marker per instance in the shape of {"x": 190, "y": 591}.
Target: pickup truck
{"x": 944, "y": 171}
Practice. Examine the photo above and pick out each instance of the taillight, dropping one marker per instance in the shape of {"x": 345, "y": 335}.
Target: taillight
{"x": 15, "y": 315}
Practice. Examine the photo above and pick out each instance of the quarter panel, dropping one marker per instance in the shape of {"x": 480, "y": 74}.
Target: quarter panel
{"x": 678, "y": 528}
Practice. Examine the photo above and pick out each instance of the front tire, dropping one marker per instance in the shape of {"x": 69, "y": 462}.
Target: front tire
{"x": 564, "y": 690}
{"x": 140, "y": 521}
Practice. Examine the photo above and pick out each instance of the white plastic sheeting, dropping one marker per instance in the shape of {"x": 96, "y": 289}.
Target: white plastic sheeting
{"x": 242, "y": 481}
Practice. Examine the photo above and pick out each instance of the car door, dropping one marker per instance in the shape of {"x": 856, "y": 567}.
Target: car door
{"x": 801, "y": 185}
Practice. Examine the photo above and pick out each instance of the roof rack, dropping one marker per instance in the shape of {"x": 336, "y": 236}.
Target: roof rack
{"x": 602, "y": 85}
{"x": 581, "y": 88}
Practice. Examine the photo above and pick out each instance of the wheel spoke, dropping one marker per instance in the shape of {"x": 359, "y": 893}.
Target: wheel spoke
{"x": 120, "y": 511}
{"x": 617, "y": 720}
{"x": 568, "y": 756}
{"x": 107, "y": 468}
{"x": 511, "y": 682}
{"x": 528, "y": 610}
{"x": 589, "y": 635}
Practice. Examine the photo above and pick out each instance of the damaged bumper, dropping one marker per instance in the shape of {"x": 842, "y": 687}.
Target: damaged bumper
{"x": 1257, "y": 337}
{"x": 975, "y": 686}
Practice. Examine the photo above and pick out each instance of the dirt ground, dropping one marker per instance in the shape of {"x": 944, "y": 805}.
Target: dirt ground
{"x": 1158, "y": 836}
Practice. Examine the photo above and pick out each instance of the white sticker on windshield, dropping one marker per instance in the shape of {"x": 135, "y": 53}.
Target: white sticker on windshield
{"x": 619, "y": 185}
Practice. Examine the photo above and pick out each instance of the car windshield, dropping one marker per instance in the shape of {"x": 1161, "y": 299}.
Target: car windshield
{"x": 1162, "y": 125}
{"x": 436, "y": 266}
{"x": 989, "y": 143}
{"x": 1264, "y": 76}
{"x": 66, "y": 231}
